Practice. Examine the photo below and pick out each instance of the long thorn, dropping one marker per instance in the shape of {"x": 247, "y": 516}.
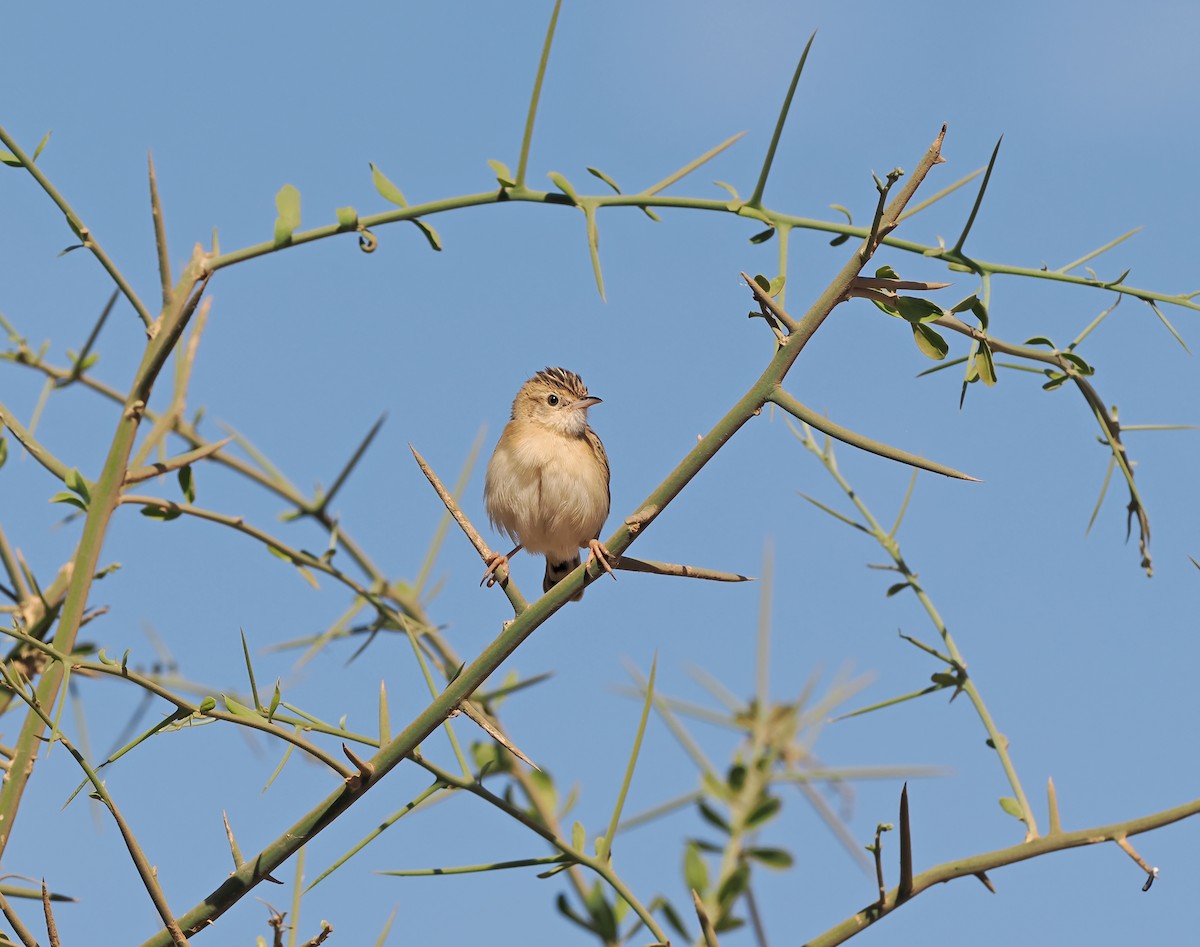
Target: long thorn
{"x": 756, "y": 197}
{"x": 987, "y": 175}
{"x": 160, "y": 235}
{"x": 527, "y": 139}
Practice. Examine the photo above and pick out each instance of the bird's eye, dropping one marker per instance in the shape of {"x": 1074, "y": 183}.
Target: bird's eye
{"x": 552, "y": 400}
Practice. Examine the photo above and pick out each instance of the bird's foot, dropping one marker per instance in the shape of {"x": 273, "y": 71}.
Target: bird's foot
{"x": 495, "y": 561}
{"x": 597, "y": 551}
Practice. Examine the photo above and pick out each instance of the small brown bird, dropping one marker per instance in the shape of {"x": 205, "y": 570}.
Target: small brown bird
{"x": 547, "y": 482}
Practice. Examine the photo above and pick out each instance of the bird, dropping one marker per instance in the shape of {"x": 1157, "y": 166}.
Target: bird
{"x": 547, "y": 484}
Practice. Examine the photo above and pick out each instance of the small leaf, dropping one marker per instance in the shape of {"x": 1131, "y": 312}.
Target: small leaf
{"x": 238, "y": 710}
{"x": 578, "y": 836}
{"x": 187, "y": 484}
{"x": 981, "y": 313}
{"x": 898, "y": 587}
{"x": 695, "y": 869}
{"x": 764, "y": 236}
{"x": 605, "y": 178}
{"x": 929, "y": 341}
{"x": 276, "y": 697}
{"x": 347, "y": 217}
{"x": 564, "y": 185}
{"x": 736, "y": 777}
{"x": 713, "y": 818}
{"x": 763, "y": 812}
{"x": 208, "y": 704}
{"x": 164, "y": 513}
{"x": 984, "y": 364}
{"x": 70, "y": 499}
{"x": 3, "y": 450}
{"x": 839, "y": 240}
{"x": 387, "y": 190}
{"x": 1056, "y": 380}
{"x": 776, "y": 858}
{"x": 431, "y": 235}
{"x": 763, "y": 282}
{"x": 733, "y": 886}
{"x": 1040, "y": 340}
{"x": 674, "y": 920}
{"x": 503, "y": 175}
{"x": 40, "y": 145}
{"x": 915, "y": 309}
{"x": 1084, "y": 367}
{"x": 74, "y": 481}
{"x": 966, "y": 304}
{"x": 736, "y": 201}
{"x": 287, "y": 203}
{"x": 1011, "y": 806}
{"x": 886, "y": 272}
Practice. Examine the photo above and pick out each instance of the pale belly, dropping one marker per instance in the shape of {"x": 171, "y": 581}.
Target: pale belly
{"x": 552, "y": 501}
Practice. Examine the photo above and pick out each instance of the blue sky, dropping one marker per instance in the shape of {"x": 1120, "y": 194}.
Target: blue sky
{"x": 1087, "y": 665}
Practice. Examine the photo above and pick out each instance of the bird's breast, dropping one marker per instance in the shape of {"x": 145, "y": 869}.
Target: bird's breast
{"x": 548, "y": 491}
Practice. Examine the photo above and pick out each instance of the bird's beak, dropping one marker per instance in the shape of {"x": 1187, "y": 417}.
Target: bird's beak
{"x": 583, "y": 403}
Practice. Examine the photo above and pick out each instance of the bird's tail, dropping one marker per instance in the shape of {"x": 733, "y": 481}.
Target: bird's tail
{"x": 557, "y": 571}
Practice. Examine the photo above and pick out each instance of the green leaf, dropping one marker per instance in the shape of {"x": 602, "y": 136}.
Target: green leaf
{"x": 347, "y": 217}
{"x": 40, "y": 145}
{"x": 431, "y": 235}
{"x": 776, "y": 858}
{"x": 287, "y": 203}
{"x": 763, "y": 282}
{"x": 387, "y": 190}
{"x": 728, "y": 923}
{"x": 736, "y": 777}
{"x": 898, "y": 587}
{"x": 3, "y": 450}
{"x": 929, "y": 341}
{"x": 839, "y": 240}
{"x": 984, "y": 365}
{"x": 915, "y": 309}
{"x": 276, "y": 697}
{"x": 713, "y": 818}
{"x": 886, "y": 272}
{"x": 605, "y": 178}
{"x": 1011, "y": 806}
{"x": 764, "y": 236}
{"x": 208, "y": 704}
{"x": 736, "y": 201}
{"x": 1056, "y": 380}
{"x": 695, "y": 869}
{"x": 75, "y": 482}
{"x": 763, "y": 812}
{"x": 238, "y": 710}
{"x": 966, "y": 304}
{"x": 733, "y": 886}
{"x": 164, "y": 513}
{"x": 981, "y": 313}
{"x": 70, "y": 499}
{"x": 578, "y": 836}
{"x": 564, "y": 185}
{"x": 187, "y": 484}
{"x": 669, "y": 912}
{"x": 1040, "y": 340}
{"x": 503, "y": 175}
{"x": 565, "y": 909}
{"x": 1079, "y": 363}
{"x": 603, "y": 918}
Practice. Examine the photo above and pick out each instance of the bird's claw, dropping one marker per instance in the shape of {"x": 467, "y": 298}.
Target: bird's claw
{"x": 495, "y": 561}
{"x": 597, "y": 551}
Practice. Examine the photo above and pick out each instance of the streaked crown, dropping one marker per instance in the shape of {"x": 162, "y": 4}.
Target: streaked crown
{"x": 556, "y": 398}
